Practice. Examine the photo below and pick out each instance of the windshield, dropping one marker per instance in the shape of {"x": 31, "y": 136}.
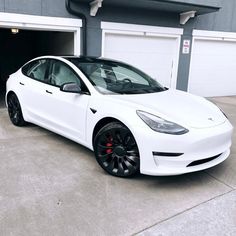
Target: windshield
{"x": 110, "y": 77}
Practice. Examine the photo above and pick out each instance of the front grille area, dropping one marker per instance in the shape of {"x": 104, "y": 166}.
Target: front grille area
{"x": 203, "y": 161}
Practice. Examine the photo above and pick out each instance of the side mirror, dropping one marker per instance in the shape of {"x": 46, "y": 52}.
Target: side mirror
{"x": 70, "y": 88}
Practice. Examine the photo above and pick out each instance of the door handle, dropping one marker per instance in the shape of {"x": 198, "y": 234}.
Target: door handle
{"x": 48, "y": 92}
{"x": 21, "y": 83}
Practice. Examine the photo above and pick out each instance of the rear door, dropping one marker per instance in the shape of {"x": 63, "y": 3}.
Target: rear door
{"x": 34, "y": 89}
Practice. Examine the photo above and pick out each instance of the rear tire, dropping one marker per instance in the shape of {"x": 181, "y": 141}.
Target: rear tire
{"x": 116, "y": 150}
{"x": 14, "y": 110}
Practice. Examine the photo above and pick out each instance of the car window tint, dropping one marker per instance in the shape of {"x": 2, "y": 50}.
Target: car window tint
{"x": 62, "y": 74}
{"x": 122, "y": 73}
{"x": 38, "y": 70}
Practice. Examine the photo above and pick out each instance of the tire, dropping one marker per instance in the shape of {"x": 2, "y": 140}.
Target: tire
{"x": 14, "y": 110}
{"x": 116, "y": 150}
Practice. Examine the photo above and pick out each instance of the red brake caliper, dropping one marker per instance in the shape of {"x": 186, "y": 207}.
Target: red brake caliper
{"x": 109, "y": 144}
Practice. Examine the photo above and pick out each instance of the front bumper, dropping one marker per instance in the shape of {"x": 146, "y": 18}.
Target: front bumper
{"x": 209, "y": 144}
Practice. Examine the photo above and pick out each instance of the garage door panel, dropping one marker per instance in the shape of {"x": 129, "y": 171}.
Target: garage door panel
{"x": 145, "y": 43}
{"x": 213, "y": 68}
{"x": 149, "y": 64}
{"x": 214, "y": 47}
{"x": 153, "y": 55}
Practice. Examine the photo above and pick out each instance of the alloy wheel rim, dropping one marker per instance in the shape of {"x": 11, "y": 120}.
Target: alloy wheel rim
{"x": 118, "y": 152}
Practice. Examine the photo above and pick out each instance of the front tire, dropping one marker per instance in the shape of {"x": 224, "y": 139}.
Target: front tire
{"x": 14, "y": 110}
{"x": 116, "y": 150}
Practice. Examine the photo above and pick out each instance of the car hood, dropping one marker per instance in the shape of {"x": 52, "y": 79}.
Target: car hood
{"x": 177, "y": 106}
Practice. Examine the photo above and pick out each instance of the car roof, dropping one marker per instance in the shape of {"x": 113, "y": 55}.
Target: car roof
{"x": 90, "y": 59}
{"x": 84, "y": 59}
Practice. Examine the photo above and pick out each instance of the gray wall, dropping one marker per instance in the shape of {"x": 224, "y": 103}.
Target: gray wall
{"x": 224, "y": 20}
{"x": 35, "y": 7}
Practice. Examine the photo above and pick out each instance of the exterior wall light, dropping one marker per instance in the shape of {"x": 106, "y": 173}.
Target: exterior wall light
{"x": 14, "y": 31}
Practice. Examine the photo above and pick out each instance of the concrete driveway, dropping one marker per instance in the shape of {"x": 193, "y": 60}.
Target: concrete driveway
{"x": 52, "y": 186}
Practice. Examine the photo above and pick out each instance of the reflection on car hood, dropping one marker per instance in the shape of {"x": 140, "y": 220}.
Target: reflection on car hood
{"x": 177, "y": 106}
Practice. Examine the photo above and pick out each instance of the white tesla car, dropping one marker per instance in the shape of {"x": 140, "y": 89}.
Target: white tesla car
{"x": 128, "y": 119}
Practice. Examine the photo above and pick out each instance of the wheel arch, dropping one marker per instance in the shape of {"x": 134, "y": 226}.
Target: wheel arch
{"x": 9, "y": 94}
{"x": 101, "y": 123}
{"x": 14, "y": 109}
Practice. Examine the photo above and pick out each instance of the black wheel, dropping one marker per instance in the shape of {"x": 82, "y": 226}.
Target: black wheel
{"x": 116, "y": 150}
{"x": 14, "y": 110}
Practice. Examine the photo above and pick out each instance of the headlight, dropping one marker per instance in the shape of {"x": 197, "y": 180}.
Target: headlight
{"x": 160, "y": 125}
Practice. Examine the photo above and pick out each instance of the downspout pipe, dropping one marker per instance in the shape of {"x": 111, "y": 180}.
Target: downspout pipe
{"x": 84, "y": 27}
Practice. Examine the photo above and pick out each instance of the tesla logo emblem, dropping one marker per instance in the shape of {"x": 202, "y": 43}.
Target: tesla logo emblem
{"x": 211, "y": 119}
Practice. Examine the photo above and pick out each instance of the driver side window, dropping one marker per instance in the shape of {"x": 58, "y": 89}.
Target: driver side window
{"x": 61, "y": 74}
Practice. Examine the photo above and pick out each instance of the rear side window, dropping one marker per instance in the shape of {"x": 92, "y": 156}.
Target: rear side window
{"x": 36, "y": 70}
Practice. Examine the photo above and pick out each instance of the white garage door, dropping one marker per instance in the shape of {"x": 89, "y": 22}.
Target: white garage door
{"x": 213, "y": 68}
{"x": 155, "y": 55}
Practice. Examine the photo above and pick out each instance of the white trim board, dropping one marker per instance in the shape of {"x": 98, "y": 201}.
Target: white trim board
{"x": 140, "y": 28}
{"x": 32, "y": 22}
{"x": 26, "y": 21}
{"x": 215, "y": 35}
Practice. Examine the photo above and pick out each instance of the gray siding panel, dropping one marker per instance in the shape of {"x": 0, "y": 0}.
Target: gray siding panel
{"x": 184, "y": 59}
{"x": 32, "y": 7}
{"x": 94, "y": 42}
{"x": 35, "y": 7}
{"x": 233, "y": 21}
{"x": 140, "y": 16}
{"x": 224, "y": 20}
{"x": 2, "y": 6}
{"x": 54, "y": 8}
